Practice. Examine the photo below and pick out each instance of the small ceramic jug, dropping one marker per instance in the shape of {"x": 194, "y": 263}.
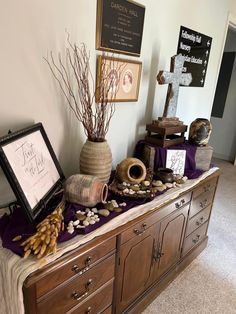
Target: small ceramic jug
{"x": 165, "y": 175}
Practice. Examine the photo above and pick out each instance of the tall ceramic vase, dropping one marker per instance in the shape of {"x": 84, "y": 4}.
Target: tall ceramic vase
{"x": 96, "y": 160}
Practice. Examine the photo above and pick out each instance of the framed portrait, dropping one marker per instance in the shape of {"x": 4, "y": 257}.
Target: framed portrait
{"x": 120, "y": 26}
{"x": 31, "y": 167}
{"x": 118, "y": 80}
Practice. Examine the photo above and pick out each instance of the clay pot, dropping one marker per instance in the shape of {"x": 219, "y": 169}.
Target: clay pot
{"x": 131, "y": 170}
{"x": 96, "y": 160}
{"x": 200, "y": 131}
{"x": 85, "y": 190}
{"x": 165, "y": 175}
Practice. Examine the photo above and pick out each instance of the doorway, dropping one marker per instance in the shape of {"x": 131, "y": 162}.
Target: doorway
{"x": 223, "y": 137}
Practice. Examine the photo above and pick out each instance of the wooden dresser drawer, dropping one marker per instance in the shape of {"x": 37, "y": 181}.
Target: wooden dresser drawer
{"x": 206, "y": 187}
{"x": 198, "y": 220}
{"x": 98, "y": 302}
{"x": 201, "y": 202}
{"x": 74, "y": 267}
{"x": 140, "y": 227}
{"x": 194, "y": 238}
{"x": 65, "y": 297}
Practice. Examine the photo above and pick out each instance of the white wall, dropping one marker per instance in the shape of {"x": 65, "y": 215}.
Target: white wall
{"x": 29, "y": 29}
{"x": 223, "y": 137}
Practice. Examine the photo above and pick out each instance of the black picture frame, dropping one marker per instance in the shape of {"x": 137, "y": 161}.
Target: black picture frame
{"x": 31, "y": 168}
{"x": 119, "y": 26}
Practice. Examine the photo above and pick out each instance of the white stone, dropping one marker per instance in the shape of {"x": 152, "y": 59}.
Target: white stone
{"x": 80, "y": 227}
{"x": 70, "y": 229}
{"x": 157, "y": 183}
{"x": 85, "y": 223}
{"x": 104, "y": 212}
{"x": 92, "y": 222}
{"x": 76, "y": 222}
{"x": 169, "y": 185}
{"x": 146, "y": 183}
{"x": 185, "y": 178}
{"x": 122, "y": 204}
{"x": 141, "y": 192}
{"x": 94, "y": 210}
{"x": 131, "y": 192}
{"x": 161, "y": 188}
{"x": 114, "y": 203}
{"x": 80, "y": 212}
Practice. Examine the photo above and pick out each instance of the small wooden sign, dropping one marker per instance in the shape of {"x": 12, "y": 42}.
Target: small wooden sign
{"x": 119, "y": 26}
{"x": 195, "y": 47}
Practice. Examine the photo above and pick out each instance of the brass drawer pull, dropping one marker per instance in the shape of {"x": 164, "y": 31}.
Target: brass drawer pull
{"x": 143, "y": 228}
{"x": 181, "y": 202}
{"x": 80, "y": 271}
{"x": 207, "y": 188}
{"x": 203, "y": 204}
{"x": 196, "y": 239}
{"x": 157, "y": 255}
{"x": 89, "y": 310}
{"x": 76, "y": 296}
{"x": 198, "y": 223}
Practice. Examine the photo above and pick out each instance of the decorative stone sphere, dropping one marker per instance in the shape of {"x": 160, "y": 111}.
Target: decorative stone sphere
{"x": 200, "y": 131}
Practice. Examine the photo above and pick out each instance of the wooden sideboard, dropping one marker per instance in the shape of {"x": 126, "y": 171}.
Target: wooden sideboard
{"x": 125, "y": 269}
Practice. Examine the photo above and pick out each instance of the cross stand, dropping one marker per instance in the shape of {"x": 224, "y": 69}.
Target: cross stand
{"x": 165, "y": 135}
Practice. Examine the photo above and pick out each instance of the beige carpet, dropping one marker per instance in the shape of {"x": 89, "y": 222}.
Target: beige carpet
{"x": 208, "y": 285}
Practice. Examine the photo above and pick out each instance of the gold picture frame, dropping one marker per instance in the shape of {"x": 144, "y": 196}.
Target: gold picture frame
{"x": 122, "y": 79}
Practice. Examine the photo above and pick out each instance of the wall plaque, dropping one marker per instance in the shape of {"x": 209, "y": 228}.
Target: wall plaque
{"x": 119, "y": 26}
{"x": 195, "y": 47}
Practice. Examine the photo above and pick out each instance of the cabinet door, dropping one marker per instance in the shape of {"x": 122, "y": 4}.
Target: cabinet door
{"x": 170, "y": 241}
{"x": 134, "y": 269}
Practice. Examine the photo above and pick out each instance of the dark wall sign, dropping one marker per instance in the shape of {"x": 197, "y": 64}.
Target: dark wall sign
{"x": 119, "y": 26}
{"x": 195, "y": 47}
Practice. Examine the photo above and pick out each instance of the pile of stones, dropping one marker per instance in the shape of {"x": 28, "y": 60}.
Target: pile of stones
{"x": 149, "y": 188}
{"x": 91, "y": 216}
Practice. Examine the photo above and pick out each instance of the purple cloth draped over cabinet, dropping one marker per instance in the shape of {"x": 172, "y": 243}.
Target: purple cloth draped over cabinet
{"x": 17, "y": 224}
{"x": 160, "y": 157}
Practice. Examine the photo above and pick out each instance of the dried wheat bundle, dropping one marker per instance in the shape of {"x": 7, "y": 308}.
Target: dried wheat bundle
{"x": 44, "y": 241}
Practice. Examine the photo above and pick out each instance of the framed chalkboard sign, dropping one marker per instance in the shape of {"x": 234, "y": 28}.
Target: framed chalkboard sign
{"x": 31, "y": 167}
{"x": 120, "y": 26}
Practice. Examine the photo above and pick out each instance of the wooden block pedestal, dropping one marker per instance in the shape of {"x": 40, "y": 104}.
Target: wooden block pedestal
{"x": 202, "y": 157}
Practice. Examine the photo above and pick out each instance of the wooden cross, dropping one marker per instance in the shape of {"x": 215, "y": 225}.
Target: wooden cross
{"x": 174, "y": 78}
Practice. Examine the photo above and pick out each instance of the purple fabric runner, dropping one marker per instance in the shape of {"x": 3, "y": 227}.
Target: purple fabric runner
{"x": 17, "y": 224}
